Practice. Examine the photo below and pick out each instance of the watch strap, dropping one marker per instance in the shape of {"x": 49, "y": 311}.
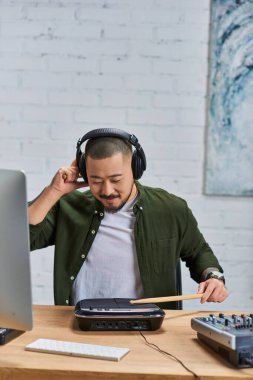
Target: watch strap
{"x": 215, "y": 274}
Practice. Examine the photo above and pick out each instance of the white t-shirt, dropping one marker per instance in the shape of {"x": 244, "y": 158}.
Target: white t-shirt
{"x": 111, "y": 268}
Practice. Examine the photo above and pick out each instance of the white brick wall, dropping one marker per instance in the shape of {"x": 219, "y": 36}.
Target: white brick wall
{"x": 67, "y": 67}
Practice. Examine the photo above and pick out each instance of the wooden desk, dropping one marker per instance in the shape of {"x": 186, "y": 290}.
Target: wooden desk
{"x": 142, "y": 363}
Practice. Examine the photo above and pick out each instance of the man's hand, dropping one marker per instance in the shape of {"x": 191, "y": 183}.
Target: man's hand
{"x": 66, "y": 179}
{"x": 214, "y": 290}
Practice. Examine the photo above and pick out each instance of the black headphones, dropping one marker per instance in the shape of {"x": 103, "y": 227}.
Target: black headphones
{"x": 138, "y": 158}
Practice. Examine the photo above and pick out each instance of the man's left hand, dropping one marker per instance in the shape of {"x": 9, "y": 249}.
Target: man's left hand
{"x": 214, "y": 290}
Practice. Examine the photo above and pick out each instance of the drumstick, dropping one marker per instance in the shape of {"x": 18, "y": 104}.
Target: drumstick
{"x": 168, "y": 299}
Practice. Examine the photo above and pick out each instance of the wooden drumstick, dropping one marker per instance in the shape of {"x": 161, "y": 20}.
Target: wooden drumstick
{"x": 167, "y": 299}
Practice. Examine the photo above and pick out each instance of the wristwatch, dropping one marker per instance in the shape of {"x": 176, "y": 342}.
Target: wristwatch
{"x": 215, "y": 274}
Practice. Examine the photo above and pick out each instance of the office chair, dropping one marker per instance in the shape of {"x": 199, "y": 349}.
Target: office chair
{"x": 179, "y": 304}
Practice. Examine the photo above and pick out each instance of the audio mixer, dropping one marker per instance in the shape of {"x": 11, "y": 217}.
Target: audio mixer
{"x": 231, "y": 336}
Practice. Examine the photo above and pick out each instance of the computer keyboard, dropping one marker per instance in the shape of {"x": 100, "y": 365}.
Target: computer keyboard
{"x": 77, "y": 349}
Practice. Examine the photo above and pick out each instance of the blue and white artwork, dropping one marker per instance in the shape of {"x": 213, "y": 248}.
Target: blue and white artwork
{"x": 229, "y": 161}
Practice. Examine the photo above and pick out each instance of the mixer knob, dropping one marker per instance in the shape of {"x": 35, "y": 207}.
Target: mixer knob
{"x": 226, "y": 322}
{"x": 221, "y": 315}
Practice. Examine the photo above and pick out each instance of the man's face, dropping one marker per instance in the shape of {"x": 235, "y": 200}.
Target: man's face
{"x": 111, "y": 180}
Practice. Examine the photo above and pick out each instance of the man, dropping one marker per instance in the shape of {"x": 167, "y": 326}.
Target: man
{"x": 120, "y": 238}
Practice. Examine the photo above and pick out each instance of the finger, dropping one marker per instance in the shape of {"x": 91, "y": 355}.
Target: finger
{"x": 215, "y": 296}
{"x": 201, "y": 288}
{"x": 74, "y": 173}
{"x": 65, "y": 174}
{"x": 78, "y": 185}
{"x": 208, "y": 291}
{"x": 74, "y": 163}
{"x": 69, "y": 174}
{"x": 61, "y": 174}
{"x": 219, "y": 293}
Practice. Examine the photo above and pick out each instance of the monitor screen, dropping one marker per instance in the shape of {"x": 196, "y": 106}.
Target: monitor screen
{"x": 15, "y": 278}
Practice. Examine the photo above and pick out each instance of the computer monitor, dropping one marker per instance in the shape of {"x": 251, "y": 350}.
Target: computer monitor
{"x": 15, "y": 278}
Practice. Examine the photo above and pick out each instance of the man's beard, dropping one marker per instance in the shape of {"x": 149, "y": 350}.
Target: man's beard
{"x": 113, "y": 209}
{"x": 111, "y": 196}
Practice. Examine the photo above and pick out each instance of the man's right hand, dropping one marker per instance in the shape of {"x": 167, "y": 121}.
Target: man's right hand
{"x": 66, "y": 180}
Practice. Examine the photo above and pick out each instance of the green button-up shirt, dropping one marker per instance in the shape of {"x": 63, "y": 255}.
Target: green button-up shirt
{"x": 165, "y": 230}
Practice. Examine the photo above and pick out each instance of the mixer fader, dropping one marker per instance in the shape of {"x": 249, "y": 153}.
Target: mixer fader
{"x": 229, "y": 335}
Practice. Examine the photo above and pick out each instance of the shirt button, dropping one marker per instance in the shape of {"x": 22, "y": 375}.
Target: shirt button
{"x": 82, "y": 256}
{"x": 93, "y": 232}
{"x": 95, "y": 212}
{"x": 101, "y": 214}
{"x": 72, "y": 278}
{"x": 67, "y": 302}
{"x": 141, "y": 208}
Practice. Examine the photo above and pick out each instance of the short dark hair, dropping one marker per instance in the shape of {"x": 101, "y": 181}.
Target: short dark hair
{"x": 104, "y": 147}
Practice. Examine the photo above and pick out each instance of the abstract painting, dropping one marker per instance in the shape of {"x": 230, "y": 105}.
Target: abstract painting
{"x": 229, "y": 158}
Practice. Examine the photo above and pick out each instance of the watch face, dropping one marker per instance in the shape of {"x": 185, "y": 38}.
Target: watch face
{"x": 217, "y": 275}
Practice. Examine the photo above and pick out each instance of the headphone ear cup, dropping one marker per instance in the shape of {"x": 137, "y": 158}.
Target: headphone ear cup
{"x": 82, "y": 167}
{"x": 137, "y": 166}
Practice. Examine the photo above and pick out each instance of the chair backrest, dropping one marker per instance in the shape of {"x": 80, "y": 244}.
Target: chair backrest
{"x": 179, "y": 304}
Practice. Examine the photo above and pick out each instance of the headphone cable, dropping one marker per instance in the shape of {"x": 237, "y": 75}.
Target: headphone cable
{"x": 157, "y": 348}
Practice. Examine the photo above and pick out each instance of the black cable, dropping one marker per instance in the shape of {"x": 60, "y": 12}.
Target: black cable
{"x": 154, "y": 346}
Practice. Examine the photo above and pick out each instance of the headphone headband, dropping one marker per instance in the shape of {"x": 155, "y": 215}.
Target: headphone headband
{"x": 138, "y": 160}
{"x": 108, "y": 132}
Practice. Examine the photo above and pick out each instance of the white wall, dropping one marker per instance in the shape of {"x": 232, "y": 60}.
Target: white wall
{"x": 67, "y": 67}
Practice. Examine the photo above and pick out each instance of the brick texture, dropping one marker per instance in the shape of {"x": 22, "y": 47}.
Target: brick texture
{"x": 67, "y": 67}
